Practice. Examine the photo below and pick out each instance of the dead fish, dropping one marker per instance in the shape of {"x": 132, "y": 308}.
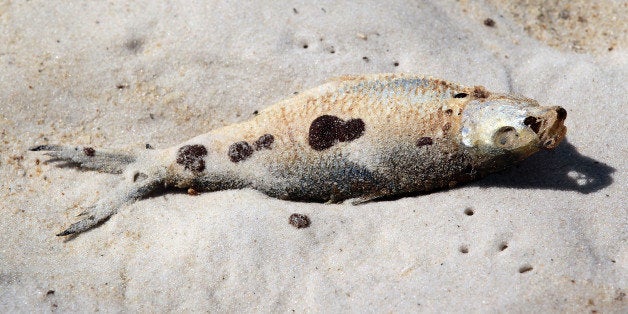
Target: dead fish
{"x": 355, "y": 137}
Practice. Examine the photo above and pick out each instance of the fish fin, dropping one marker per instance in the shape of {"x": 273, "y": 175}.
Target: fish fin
{"x": 86, "y": 158}
{"x": 125, "y": 193}
{"x": 370, "y": 197}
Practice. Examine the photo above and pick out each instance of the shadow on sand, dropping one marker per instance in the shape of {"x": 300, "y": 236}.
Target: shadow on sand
{"x": 563, "y": 169}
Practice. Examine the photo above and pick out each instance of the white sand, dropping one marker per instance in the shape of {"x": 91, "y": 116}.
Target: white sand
{"x": 134, "y": 72}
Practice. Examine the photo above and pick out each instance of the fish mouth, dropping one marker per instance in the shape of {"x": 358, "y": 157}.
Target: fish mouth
{"x": 549, "y": 127}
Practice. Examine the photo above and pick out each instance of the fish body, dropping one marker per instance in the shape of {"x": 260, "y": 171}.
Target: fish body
{"x": 355, "y": 137}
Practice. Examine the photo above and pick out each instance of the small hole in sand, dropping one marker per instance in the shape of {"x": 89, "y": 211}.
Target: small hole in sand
{"x": 464, "y": 249}
{"x": 134, "y": 45}
{"x": 396, "y": 64}
{"x": 468, "y": 211}
{"x": 503, "y": 246}
{"x": 564, "y": 14}
{"x": 525, "y": 268}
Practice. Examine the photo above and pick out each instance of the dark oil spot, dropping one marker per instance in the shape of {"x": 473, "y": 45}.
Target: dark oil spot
{"x": 489, "y": 22}
{"x": 121, "y": 86}
{"x": 461, "y": 95}
{"x": 299, "y": 221}
{"x": 503, "y": 246}
{"x": 50, "y": 292}
{"x": 89, "y": 152}
{"x": 533, "y": 123}
{"x": 446, "y": 127}
{"x": 264, "y": 142}
{"x": 366, "y": 59}
{"x": 139, "y": 176}
{"x": 191, "y": 157}
{"x": 424, "y": 141}
{"x": 353, "y": 129}
{"x": 255, "y": 112}
{"x": 295, "y": 11}
{"x": 464, "y": 249}
{"x": 148, "y": 146}
{"x": 240, "y": 151}
{"x": 480, "y": 92}
{"x": 562, "y": 113}
{"x": 326, "y": 130}
{"x": 396, "y": 64}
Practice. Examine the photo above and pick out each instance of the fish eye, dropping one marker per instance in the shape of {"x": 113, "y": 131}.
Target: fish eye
{"x": 505, "y": 136}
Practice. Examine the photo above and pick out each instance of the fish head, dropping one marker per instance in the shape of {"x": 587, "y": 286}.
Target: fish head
{"x": 513, "y": 125}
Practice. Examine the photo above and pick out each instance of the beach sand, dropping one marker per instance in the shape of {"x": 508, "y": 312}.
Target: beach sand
{"x": 548, "y": 235}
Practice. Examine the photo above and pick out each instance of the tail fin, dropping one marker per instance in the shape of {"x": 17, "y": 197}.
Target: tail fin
{"x": 145, "y": 179}
{"x": 125, "y": 193}
{"x": 86, "y": 158}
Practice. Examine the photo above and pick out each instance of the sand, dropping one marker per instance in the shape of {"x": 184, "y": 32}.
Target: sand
{"x": 547, "y": 235}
